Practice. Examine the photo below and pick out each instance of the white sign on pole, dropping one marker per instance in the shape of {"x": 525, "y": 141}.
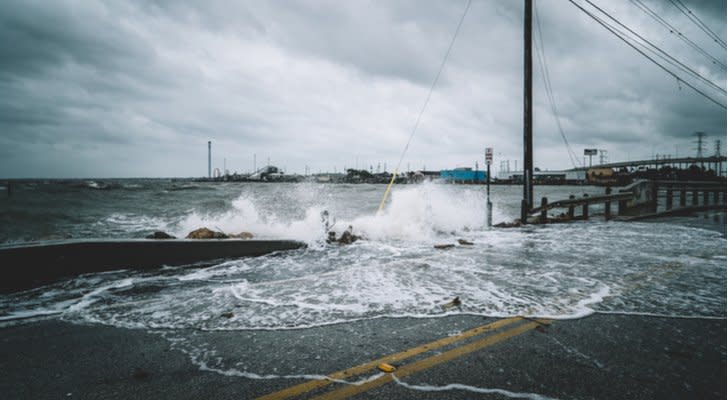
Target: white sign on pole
{"x": 489, "y": 155}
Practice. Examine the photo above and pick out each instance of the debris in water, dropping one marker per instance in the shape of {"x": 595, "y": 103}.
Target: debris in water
{"x": 444, "y": 246}
{"x": 515, "y": 224}
{"x": 465, "y": 242}
{"x": 227, "y": 315}
{"x": 348, "y": 237}
{"x": 453, "y": 303}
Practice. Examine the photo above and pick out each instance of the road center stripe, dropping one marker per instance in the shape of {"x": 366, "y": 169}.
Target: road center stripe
{"x": 392, "y": 358}
{"x": 409, "y": 369}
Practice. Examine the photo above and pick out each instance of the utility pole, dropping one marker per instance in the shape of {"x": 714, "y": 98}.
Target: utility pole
{"x": 488, "y": 204}
{"x": 527, "y": 201}
{"x": 209, "y": 159}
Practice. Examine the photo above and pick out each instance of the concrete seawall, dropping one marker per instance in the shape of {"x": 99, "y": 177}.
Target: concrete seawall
{"x": 28, "y": 265}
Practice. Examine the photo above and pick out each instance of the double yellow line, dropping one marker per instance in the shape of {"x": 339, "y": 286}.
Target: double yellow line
{"x": 414, "y": 367}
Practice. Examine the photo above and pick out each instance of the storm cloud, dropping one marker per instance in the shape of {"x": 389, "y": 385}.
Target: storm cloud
{"x": 137, "y": 88}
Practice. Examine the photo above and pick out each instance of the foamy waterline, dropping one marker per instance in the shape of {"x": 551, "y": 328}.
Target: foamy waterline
{"x": 557, "y": 272}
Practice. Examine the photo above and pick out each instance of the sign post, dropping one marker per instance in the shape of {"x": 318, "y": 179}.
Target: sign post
{"x": 489, "y": 205}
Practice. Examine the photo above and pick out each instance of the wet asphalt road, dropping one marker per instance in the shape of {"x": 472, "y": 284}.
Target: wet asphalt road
{"x": 598, "y": 357}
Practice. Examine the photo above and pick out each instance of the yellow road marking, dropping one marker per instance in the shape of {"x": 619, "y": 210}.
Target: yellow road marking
{"x": 429, "y": 362}
{"x": 392, "y": 358}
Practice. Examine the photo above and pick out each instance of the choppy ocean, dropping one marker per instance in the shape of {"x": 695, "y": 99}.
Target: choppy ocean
{"x": 674, "y": 267}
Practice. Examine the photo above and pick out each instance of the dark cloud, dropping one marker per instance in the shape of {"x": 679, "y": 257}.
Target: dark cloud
{"x": 138, "y": 88}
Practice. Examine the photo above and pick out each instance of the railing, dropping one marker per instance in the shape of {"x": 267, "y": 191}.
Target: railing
{"x": 641, "y": 199}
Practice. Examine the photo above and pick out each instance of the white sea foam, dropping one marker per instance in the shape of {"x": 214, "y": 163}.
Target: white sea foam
{"x": 559, "y": 271}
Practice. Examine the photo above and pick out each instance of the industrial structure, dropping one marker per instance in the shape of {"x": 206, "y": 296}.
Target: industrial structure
{"x": 462, "y": 175}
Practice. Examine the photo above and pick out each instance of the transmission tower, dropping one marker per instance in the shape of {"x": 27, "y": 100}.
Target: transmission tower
{"x": 603, "y": 157}
{"x": 717, "y": 148}
{"x": 699, "y": 144}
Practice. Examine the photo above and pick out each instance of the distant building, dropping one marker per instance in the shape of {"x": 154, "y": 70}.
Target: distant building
{"x": 545, "y": 177}
{"x": 462, "y": 175}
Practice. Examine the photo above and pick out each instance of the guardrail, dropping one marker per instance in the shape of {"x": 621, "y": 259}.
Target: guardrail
{"x": 641, "y": 199}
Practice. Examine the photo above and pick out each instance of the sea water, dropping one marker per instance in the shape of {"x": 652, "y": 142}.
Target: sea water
{"x": 674, "y": 267}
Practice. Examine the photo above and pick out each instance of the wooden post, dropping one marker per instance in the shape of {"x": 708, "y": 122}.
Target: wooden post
{"x": 544, "y": 203}
{"x": 683, "y": 197}
{"x": 716, "y": 196}
{"x": 706, "y": 197}
{"x": 608, "y": 206}
{"x": 668, "y": 198}
{"x": 571, "y": 208}
{"x": 524, "y": 211}
{"x": 695, "y": 197}
{"x": 585, "y": 208}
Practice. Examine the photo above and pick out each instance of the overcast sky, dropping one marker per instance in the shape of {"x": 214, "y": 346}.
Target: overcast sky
{"x": 137, "y": 88}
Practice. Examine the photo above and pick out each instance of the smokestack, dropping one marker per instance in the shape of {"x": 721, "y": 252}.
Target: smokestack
{"x": 209, "y": 159}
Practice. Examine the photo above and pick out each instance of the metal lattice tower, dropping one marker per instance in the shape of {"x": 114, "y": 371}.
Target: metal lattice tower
{"x": 603, "y": 157}
{"x": 699, "y": 144}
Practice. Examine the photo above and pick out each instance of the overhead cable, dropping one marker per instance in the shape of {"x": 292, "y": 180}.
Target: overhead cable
{"x": 700, "y": 24}
{"x": 424, "y": 106}
{"x": 541, "y": 56}
{"x": 615, "y": 32}
{"x": 654, "y": 15}
{"x": 661, "y": 53}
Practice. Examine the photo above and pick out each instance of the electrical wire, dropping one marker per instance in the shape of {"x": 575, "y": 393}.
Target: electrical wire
{"x": 654, "y": 15}
{"x": 661, "y": 53}
{"x": 615, "y": 32}
{"x": 424, "y": 106}
{"x": 541, "y": 56}
{"x": 700, "y": 24}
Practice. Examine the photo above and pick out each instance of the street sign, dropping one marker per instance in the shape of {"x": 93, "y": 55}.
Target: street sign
{"x": 489, "y": 155}
{"x": 590, "y": 152}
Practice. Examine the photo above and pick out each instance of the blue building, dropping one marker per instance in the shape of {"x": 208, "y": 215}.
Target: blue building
{"x": 462, "y": 175}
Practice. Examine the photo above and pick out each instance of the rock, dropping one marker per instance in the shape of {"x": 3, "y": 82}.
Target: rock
{"x": 160, "y": 235}
{"x": 464, "y": 242}
{"x": 204, "y": 233}
{"x": 227, "y": 315}
{"x": 444, "y": 246}
{"x": 348, "y": 237}
{"x": 242, "y": 235}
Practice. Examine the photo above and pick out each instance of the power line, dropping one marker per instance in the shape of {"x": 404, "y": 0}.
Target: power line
{"x": 427, "y": 101}
{"x": 541, "y": 56}
{"x": 694, "y": 18}
{"x": 661, "y": 53}
{"x": 621, "y": 37}
{"x": 647, "y": 10}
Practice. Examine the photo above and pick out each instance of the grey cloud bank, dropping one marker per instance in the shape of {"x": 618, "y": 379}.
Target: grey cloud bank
{"x": 102, "y": 89}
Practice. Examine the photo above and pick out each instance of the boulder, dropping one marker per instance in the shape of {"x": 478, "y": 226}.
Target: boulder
{"x": 160, "y": 235}
{"x": 464, "y": 242}
{"x": 242, "y": 235}
{"x": 348, "y": 237}
{"x": 204, "y": 233}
